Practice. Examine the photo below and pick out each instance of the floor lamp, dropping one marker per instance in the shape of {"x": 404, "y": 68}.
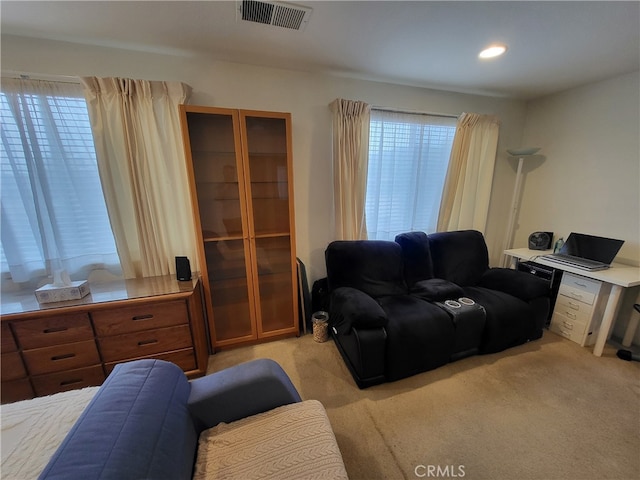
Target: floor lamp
{"x": 521, "y": 153}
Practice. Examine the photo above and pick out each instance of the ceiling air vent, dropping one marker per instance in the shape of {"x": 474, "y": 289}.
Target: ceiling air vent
{"x": 279, "y": 14}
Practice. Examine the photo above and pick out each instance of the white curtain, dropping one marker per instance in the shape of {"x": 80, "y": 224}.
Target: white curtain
{"x": 350, "y": 158}
{"x": 53, "y": 214}
{"x": 138, "y": 141}
{"x": 467, "y": 190}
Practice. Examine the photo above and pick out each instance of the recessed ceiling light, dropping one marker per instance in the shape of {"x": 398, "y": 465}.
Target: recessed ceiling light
{"x": 493, "y": 51}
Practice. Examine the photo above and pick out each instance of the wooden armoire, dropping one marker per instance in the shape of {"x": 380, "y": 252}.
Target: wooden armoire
{"x": 240, "y": 172}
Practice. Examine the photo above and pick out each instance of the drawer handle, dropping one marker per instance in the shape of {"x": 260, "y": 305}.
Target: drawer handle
{"x": 583, "y": 285}
{"x": 572, "y": 316}
{"x": 576, "y": 295}
{"x": 55, "y": 330}
{"x": 568, "y": 325}
{"x": 142, "y": 317}
{"x": 63, "y": 356}
{"x": 566, "y": 334}
{"x": 147, "y": 342}
{"x": 70, "y": 382}
{"x": 575, "y": 306}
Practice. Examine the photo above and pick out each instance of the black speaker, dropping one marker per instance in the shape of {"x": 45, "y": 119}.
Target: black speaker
{"x": 540, "y": 240}
{"x": 183, "y": 268}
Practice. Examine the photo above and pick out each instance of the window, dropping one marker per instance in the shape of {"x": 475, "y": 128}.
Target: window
{"x": 53, "y": 210}
{"x": 408, "y": 159}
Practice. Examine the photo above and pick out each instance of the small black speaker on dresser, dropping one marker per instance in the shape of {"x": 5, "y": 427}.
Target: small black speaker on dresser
{"x": 183, "y": 269}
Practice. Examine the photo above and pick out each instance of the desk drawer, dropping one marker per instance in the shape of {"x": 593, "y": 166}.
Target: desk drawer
{"x": 44, "y": 332}
{"x": 142, "y": 344}
{"x": 567, "y": 327}
{"x": 141, "y": 317}
{"x": 580, "y": 288}
{"x": 68, "y": 380}
{"x": 577, "y": 294}
{"x": 61, "y": 357}
{"x": 573, "y": 309}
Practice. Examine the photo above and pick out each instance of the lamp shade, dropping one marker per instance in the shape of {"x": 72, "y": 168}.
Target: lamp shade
{"x": 523, "y": 151}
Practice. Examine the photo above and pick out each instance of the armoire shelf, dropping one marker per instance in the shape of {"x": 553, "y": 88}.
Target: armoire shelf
{"x": 240, "y": 171}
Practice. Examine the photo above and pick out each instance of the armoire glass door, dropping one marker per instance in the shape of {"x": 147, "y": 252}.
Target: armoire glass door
{"x": 217, "y": 172}
{"x": 269, "y": 222}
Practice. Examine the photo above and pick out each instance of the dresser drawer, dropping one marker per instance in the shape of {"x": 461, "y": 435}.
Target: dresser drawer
{"x": 16, "y": 390}
{"x": 568, "y": 327}
{"x": 44, "y": 332}
{"x": 185, "y": 359}
{"x": 140, "y": 317}
{"x": 68, "y": 380}
{"x": 146, "y": 343}
{"x": 573, "y": 309}
{"x": 61, "y": 357}
{"x": 8, "y": 343}
{"x": 12, "y": 367}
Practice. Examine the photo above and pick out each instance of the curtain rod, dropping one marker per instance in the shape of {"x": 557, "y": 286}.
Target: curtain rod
{"x": 412, "y": 112}
{"x": 40, "y": 76}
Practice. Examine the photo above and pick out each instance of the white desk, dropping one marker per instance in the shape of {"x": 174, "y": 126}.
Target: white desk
{"x": 619, "y": 276}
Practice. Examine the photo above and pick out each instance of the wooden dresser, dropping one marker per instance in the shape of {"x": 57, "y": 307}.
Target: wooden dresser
{"x": 49, "y": 348}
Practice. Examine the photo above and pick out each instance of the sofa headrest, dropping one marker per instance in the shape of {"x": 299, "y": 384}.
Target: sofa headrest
{"x": 373, "y": 266}
{"x": 418, "y": 264}
{"x": 460, "y": 257}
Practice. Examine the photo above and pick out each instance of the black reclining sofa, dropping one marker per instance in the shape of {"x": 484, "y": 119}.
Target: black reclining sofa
{"x": 401, "y": 308}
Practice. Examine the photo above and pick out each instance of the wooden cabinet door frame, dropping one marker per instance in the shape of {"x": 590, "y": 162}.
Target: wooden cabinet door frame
{"x": 241, "y": 147}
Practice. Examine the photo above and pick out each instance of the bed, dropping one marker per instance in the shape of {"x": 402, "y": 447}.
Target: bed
{"x": 33, "y": 429}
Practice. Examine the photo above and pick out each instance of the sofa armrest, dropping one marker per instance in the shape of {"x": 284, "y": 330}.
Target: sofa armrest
{"x": 240, "y": 391}
{"x": 519, "y": 284}
{"x": 351, "y": 307}
{"x": 136, "y": 426}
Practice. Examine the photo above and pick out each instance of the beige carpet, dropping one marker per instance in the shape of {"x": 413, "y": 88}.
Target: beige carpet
{"x": 546, "y": 410}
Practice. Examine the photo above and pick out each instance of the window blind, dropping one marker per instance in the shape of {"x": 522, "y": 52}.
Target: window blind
{"x": 408, "y": 159}
{"x": 53, "y": 210}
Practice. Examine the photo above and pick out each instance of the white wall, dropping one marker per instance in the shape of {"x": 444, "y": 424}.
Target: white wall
{"x": 305, "y": 95}
{"x": 590, "y": 179}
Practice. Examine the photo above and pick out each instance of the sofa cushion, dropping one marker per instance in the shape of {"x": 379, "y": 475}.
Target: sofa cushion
{"x": 508, "y": 319}
{"x": 373, "y": 266}
{"x": 418, "y": 264}
{"x": 420, "y": 336}
{"x": 460, "y": 257}
{"x": 436, "y": 290}
{"x": 136, "y": 426}
{"x": 293, "y": 441}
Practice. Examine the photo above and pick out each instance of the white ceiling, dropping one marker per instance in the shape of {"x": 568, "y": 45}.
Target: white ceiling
{"x": 552, "y": 45}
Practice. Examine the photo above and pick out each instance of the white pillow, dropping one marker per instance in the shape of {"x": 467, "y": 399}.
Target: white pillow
{"x": 294, "y": 441}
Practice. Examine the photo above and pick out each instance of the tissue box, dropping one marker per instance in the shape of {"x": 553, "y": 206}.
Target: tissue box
{"x": 51, "y": 293}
